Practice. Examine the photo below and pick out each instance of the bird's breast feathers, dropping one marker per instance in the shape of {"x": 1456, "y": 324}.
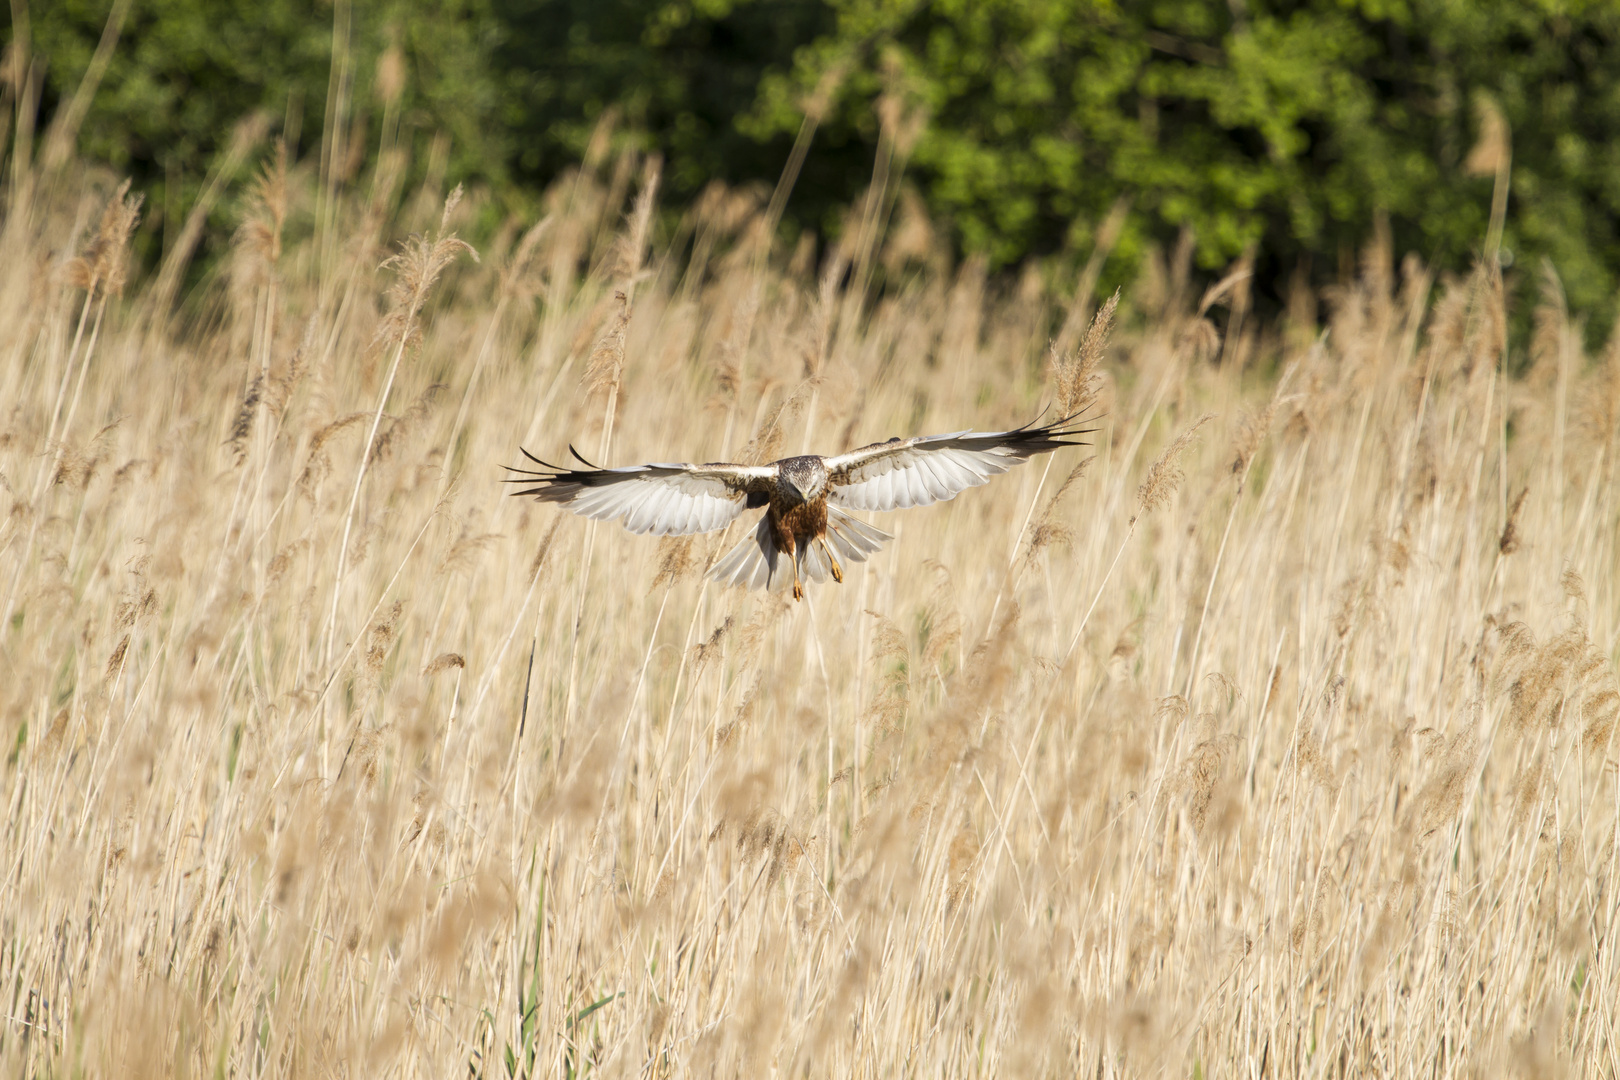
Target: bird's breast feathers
{"x": 798, "y": 525}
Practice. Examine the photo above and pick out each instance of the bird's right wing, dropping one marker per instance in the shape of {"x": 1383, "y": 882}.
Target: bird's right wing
{"x": 664, "y": 499}
{"x": 930, "y": 468}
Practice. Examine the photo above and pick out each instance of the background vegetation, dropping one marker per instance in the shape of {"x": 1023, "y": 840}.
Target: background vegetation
{"x": 1285, "y": 127}
{"x": 1274, "y": 732}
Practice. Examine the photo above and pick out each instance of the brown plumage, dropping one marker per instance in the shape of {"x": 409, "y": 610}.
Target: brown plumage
{"x": 800, "y": 526}
{"x": 806, "y": 496}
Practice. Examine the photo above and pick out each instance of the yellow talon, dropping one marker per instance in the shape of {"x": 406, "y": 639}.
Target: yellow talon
{"x": 837, "y": 571}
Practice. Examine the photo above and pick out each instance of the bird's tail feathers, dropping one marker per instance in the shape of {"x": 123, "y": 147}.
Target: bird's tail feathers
{"x": 854, "y": 539}
{"x": 813, "y": 563}
{"x": 754, "y": 563}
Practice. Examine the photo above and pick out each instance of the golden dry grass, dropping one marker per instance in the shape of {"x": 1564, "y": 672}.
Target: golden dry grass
{"x": 1284, "y": 747}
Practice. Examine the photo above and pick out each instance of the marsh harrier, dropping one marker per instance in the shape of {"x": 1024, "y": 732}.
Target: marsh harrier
{"x": 805, "y": 496}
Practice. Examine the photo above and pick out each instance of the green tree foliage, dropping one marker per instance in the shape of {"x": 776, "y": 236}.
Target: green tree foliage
{"x": 1286, "y": 125}
{"x": 678, "y": 74}
{"x": 185, "y": 72}
{"x": 1283, "y": 126}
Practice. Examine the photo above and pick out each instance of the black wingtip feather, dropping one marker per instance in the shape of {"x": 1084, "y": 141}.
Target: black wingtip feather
{"x": 1045, "y": 439}
{"x": 554, "y": 483}
{"x": 546, "y": 476}
{"x": 546, "y": 465}
{"x": 1054, "y": 435}
{"x": 588, "y": 464}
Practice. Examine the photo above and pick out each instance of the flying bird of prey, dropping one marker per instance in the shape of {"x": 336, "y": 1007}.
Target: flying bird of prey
{"x": 805, "y": 497}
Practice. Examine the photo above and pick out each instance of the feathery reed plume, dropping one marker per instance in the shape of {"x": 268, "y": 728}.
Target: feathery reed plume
{"x": 318, "y": 466}
{"x": 606, "y": 367}
{"x": 1048, "y": 529}
{"x": 101, "y": 272}
{"x": 417, "y": 267}
{"x": 1075, "y": 378}
{"x": 911, "y": 239}
{"x": 444, "y": 662}
{"x": 260, "y": 232}
{"x": 1076, "y": 385}
{"x": 242, "y": 426}
{"x": 1440, "y": 800}
{"x": 518, "y": 276}
{"x": 1252, "y": 431}
{"x": 380, "y": 639}
{"x": 520, "y": 280}
{"x": 74, "y": 468}
{"x": 468, "y": 545}
{"x": 1492, "y": 155}
{"x": 544, "y": 550}
{"x": 709, "y": 650}
{"x": 1164, "y": 476}
{"x": 1600, "y": 712}
{"x": 273, "y": 390}
{"x": 1493, "y": 148}
{"x": 675, "y": 561}
{"x": 605, "y": 371}
{"x": 632, "y": 249}
{"x": 1201, "y": 772}
{"x": 401, "y": 426}
{"x": 103, "y": 268}
{"x": 1508, "y": 542}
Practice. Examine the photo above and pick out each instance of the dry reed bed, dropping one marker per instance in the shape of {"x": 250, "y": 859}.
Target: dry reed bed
{"x": 1284, "y": 747}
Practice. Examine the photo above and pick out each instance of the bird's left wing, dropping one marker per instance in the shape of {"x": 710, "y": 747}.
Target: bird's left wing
{"x": 663, "y": 498}
{"x": 930, "y": 468}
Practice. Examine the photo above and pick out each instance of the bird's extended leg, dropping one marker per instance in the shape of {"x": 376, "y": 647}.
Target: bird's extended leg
{"x": 787, "y": 543}
{"x": 832, "y": 560}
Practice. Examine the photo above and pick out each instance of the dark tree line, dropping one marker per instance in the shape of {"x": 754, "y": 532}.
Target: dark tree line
{"x": 1285, "y": 127}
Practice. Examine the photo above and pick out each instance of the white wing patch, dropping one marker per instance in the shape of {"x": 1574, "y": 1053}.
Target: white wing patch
{"x": 663, "y": 506}
{"x": 921, "y": 471}
{"x": 664, "y": 499}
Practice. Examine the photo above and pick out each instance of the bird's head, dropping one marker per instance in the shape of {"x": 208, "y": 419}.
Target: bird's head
{"x": 804, "y": 478}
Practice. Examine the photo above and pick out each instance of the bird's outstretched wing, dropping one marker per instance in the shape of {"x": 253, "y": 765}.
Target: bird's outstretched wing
{"x": 929, "y": 468}
{"x": 664, "y": 499}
